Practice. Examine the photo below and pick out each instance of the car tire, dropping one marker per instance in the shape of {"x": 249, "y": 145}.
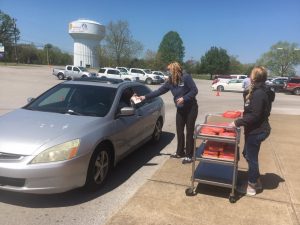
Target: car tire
{"x": 148, "y": 81}
{"x": 60, "y": 76}
{"x": 220, "y": 88}
{"x": 157, "y": 131}
{"x": 127, "y": 79}
{"x": 99, "y": 167}
{"x": 84, "y": 76}
{"x": 296, "y": 91}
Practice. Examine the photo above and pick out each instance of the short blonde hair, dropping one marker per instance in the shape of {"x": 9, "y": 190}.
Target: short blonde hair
{"x": 176, "y": 72}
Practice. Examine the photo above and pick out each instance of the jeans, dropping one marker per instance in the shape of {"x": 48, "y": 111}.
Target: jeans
{"x": 251, "y": 150}
{"x": 186, "y": 116}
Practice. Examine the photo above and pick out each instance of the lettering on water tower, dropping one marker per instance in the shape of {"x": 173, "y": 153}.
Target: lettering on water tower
{"x": 81, "y": 27}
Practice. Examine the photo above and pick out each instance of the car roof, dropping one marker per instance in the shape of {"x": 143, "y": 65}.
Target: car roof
{"x": 111, "y": 68}
{"x": 104, "y": 82}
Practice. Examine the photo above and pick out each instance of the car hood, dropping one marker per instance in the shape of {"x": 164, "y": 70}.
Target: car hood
{"x": 24, "y": 131}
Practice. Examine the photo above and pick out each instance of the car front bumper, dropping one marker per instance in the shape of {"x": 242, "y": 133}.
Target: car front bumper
{"x": 44, "y": 178}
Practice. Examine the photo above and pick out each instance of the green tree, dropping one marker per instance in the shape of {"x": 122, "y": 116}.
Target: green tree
{"x": 236, "y": 67}
{"x": 281, "y": 59}
{"x": 191, "y": 66}
{"x": 171, "y": 48}
{"x": 120, "y": 44}
{"x": 28, "y": 53}
{"x": 215, "y": 61}
{"x": 9, "y": 33}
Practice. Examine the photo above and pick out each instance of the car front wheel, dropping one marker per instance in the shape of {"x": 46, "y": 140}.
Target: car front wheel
{"x": 297, "y": 91}
{"x": 157, "y": 131}
{"x": 148, "y": 81}
{"x": 60, "y": 76}
{"x": 220, "y": 88}
{"x": 99, "y": 167}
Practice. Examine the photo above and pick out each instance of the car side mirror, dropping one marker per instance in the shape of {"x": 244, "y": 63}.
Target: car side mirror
{"x": 30, "y": 99}
{"x": 127, "y": 111}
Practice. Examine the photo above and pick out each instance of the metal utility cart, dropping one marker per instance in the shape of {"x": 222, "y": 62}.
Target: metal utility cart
{"x": 214, "y": 170}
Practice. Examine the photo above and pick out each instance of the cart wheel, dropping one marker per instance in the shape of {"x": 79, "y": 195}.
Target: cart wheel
{"x": 190, "y": 192}
{"x": 232, "y": 199}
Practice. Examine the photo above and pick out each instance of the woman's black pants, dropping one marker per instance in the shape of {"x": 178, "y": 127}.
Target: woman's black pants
{"x": 186, "y": 117}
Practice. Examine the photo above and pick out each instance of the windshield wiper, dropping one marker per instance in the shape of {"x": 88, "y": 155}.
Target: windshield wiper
{"x": 72, "y": 112}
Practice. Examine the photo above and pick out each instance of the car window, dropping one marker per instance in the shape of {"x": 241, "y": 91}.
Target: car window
{"x": 102, "y": 70}
{"x": 76, "y": 69}
{"x": 56, "y": 97}
{"x": 141, "y": 90}
{"x": 69, "y": 67}
{"x": 113, "y": 72}
{"x": 294, "y": 80}
{"x": 124, "y": 100}
{"x": 85, "y": 100}
{"x": 137, "y": 71}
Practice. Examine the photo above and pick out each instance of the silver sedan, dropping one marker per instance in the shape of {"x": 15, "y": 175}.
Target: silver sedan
{"x": 73, "y": 134}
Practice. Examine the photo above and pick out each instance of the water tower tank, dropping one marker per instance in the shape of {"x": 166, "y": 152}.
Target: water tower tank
{"x": 86, "y": 34}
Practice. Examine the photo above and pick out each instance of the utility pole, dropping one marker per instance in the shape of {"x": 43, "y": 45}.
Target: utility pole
{"x": 47, "y": 49}
{"x": 15, "y": 33}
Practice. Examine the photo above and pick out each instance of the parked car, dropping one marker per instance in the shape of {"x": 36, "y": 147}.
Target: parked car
{"x": 229, "y": 85}
{"x": 293, "y": 85}
{"x": 108, "y": 72}
{"x": 146, "y": 76}
{"x": 277, "y": 83}
{"x": 73, "y": 134}
{"x": 224, "y": 78}
{"x": 162, "y": 75}
{"x": 71, "y": 72}
{"x": 124, "y": 70}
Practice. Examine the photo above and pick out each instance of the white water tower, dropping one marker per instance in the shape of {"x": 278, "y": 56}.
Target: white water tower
{"x": 86, "y": 35}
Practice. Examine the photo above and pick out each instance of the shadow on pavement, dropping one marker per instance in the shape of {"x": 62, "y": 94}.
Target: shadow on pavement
{"x": 269, "y": 181}
{"x": 124, "y": 170}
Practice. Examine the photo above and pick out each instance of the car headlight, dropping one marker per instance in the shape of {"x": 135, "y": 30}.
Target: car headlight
{"x": 61, "y": 152}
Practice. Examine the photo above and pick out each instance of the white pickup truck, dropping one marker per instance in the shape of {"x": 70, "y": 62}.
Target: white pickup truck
{"x": 108, "y": 72}
{"x": 71, "y": 72}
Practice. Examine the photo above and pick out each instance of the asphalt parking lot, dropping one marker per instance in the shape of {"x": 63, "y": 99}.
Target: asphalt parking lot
{"x": 78, "y": 207}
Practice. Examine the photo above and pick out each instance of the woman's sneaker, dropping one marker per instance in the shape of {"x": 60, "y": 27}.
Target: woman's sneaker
{"x": 258, "y": 185}
{"x": 187, "y": 160}
{"x": 248, "y": 189}
{"x": 176, "y": 156}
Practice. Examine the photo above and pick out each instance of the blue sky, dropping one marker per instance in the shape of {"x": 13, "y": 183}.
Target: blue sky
{"x": 245, "y": 28}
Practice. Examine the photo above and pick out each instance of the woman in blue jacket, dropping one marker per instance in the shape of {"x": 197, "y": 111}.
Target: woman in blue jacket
{"x": 184, "y": 90}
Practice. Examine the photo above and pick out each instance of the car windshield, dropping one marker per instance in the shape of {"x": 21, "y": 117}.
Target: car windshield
{"x": 75, "y": 99}
{"x": 122, "y": 70}
{"x": 83, "y": 69}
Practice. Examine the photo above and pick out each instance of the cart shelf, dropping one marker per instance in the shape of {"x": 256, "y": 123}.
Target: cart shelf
{"x": 211, "y": 167}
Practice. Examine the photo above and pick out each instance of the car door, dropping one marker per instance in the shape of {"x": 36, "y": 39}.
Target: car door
{"x": 147, "y": 110}
{"x": 235, "y": 85}
{"x": 139, "y": 73}
{"x": 129, "y": 129}
{"x": 115, "y": 74}
{"x": 76, "y": 72}
{"x": 69, "y": 71}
